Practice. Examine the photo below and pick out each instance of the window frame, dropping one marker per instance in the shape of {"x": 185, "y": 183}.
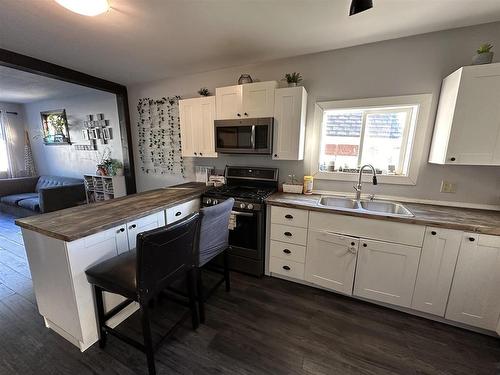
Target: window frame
{"x": 422, "y": 104}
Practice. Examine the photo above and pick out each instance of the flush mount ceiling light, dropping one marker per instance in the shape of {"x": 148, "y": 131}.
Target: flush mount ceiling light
{"x": 358, "y": 6}
{"x": 85, "y": 7}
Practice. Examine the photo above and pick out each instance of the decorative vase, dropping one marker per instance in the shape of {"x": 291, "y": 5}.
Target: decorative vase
{"x": 482, "y": 58}
{"x": 245, "y": 78}
{"x": 292, "y": 84}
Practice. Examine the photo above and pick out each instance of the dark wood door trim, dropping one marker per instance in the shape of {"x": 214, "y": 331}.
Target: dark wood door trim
{"x": 32, "y": 65}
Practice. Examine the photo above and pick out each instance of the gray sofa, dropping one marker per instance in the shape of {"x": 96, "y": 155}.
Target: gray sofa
{"x": 28, "y": 196}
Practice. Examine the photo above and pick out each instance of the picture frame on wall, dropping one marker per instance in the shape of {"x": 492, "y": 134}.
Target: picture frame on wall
{"x": 55, "y": 129}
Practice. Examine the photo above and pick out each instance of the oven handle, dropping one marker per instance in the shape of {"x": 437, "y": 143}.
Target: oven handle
{"x": 253, "y": 137}
{"x": 238, "y": 213}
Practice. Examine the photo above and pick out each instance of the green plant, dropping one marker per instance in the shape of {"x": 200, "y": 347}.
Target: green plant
{"x": 112, "y": 165}
{"x": 292, "y": 77}
{"x": 204, "y": 91}
{"x": 485, "y": 48}
{"x": 57, "y": 122}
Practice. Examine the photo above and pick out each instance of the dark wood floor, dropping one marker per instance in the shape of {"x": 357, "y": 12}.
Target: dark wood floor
{"x": 265, "y": 326}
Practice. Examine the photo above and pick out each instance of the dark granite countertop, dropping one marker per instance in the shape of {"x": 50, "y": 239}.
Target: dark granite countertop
{"x": 77, "y": 222}
{"x": 466, "y": 219}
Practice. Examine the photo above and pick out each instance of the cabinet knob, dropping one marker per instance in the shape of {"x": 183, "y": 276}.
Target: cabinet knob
{"x": 433, "y": 233}
{"x": 353, "y": 243}
{"x": 472, "y": 239}
{"x": 288, "y": 216}
{"x": 246, "y": 114}
{"x": 286, "y": 251}
{"x": 275, "y": 155}
{"x": 195, "y": 153}
{"x": 201, "y": 154}
{"x": 132, "y": 226}
{"x": 120, "y": 230}
{"x": 453, "y": 159}
{"x": 178, "y": 213}
{"x": 365, "y": 245}
{"x": 286, "y": 268}
{"x": 238, "y": 115}
{"x": 288, "y": 234}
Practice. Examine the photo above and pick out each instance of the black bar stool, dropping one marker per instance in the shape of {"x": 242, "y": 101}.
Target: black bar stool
{"x": 162, "y": 256}
{"x": 214, "y": 236}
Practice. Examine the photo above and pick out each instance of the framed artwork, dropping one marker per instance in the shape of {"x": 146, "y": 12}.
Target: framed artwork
{"x": 55, "y": 127}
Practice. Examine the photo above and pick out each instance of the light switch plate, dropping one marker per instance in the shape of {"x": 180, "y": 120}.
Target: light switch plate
{"x": 448, "y": 187}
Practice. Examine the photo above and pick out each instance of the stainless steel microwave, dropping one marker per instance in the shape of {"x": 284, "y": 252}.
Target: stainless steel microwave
{"x": 245, "y": 136}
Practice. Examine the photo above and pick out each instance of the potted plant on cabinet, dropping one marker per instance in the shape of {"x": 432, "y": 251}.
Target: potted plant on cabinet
{"x": 483, "y": 55}
{"x": 293, "y": 79}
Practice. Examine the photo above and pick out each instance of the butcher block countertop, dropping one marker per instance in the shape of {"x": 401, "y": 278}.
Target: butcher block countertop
{"x": 465, "y": 219}
{"x": 77, "y": 222}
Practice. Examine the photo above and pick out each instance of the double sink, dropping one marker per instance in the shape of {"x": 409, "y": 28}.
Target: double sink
{"x": 373, "y": 207}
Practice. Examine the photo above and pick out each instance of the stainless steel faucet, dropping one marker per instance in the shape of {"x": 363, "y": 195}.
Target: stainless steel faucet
{"x": 358, "y": 186}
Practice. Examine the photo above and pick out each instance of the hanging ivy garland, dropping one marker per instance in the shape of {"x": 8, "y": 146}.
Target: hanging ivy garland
{"x": 160, "y": 136}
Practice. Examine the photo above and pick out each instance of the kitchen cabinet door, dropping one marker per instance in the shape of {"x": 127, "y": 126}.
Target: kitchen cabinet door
{"x": 331, "y": 260}
{"x": 258, "y": 99}
{"x": 143, "y": 224}
{"x": 121, "y": 239}
{"x": 470, "y": 95}
{"x": 386, "y": 272}
{"x": 435, "y": 271}
{"x": 197, "y": 127}
{"x": 290, "y": 105}
{"x": 229, "y": 102}
{"x": 474, "y": 297}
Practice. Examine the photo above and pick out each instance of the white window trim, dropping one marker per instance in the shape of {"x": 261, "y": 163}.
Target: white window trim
{"x": 423, "y": 101}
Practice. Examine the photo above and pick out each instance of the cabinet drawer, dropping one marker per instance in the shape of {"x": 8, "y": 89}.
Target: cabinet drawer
{"x": 182, "y": 210}
{"x": 285, "y": 233}
{"x": 287, "y": 267}
{"x": 289, "y": 216}
{"x": 288, "y": 251}
{"x": 390, "y": 231}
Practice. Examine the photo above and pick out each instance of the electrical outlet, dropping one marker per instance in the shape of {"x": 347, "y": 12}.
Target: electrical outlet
{"x": 448, "y": 187}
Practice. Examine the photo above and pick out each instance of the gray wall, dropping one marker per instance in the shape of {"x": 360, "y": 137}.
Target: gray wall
{"x": 64, "y": 160}
{"x": 17, "y": 127}
{"x": 412, "y": 65}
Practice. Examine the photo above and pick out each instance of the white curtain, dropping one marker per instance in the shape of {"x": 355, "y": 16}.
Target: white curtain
{"x": 6, "y": 145}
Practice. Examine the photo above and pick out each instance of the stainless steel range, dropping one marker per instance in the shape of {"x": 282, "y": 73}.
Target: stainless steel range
{"x": 249, "y": 186}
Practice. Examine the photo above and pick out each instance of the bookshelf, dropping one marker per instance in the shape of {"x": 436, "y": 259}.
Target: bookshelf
{"x": 101, "y": 188}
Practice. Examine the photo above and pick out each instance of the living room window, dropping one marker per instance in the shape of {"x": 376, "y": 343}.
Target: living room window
{"x": 4, "y": 157}
{"x": 384, "y": 132}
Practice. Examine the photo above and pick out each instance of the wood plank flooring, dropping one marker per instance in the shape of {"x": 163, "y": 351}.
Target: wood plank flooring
{"x": 263, "y": 326}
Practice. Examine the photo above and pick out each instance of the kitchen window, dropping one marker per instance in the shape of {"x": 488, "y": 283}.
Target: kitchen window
{"x": 385, "y": 132}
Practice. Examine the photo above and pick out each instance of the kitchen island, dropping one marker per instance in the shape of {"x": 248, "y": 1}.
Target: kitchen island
{"x": 61, "y": 245}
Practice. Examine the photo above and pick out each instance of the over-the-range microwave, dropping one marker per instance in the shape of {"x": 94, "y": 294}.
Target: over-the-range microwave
{"x": 244, "y": 136}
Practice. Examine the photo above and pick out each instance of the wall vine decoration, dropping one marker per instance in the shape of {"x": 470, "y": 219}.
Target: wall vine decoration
{"x": 160, "y": 136}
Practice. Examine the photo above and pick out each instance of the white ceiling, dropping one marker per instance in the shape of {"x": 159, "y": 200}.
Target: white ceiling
{"x": 150, "y": 39}
{"x": 22, "y": 87}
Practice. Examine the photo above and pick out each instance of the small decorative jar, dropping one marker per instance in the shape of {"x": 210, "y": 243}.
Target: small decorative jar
{"x": 245, "y": 78}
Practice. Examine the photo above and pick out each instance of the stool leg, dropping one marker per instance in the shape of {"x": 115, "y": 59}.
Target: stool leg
{"x": 191, "y": 281}
{"x": 201, "y": 296}
{"x": 148, "y": 341}
{"x": 226, "y": 271}
{"x": 100, "y": 316}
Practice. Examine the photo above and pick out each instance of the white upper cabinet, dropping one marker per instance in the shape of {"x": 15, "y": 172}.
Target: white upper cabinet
{"x": 435, "y": 272}
{"x": 250, "y": 100}
{"x": 386, "y": 272}
{"x": 331, "y": 260}
{"x": 467, "y": 129}
{"x": 197, "y": 126}
{"x": 290, "y": 105}
{"x": 474, "y": 297}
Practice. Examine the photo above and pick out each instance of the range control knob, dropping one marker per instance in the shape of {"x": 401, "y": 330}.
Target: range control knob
{"x": 215, "y": 201}
{"x": 250, "y": 206}
{"x": 209, "y": 200}
{"x": 242, "y": 205}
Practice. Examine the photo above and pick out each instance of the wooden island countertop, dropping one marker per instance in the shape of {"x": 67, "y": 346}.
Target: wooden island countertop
{"x": 77, "y": 222}
{"x": 465, "y": 219}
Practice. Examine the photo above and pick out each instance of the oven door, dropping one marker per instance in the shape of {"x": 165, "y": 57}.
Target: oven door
{"x": 249, "y": 136}
{"x": 246, "y": 238}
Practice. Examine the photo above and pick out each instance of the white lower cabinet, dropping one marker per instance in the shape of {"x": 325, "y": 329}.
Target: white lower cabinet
{"x": 182, "y": 210}
{"x": 475, "y": 296}
{"x": 435, "y": 272}
{"x": 287, "y": 268}
{"x": 331, "y": 260}
{"x": 386, "y": 272}
{"x": 143, "y": 224}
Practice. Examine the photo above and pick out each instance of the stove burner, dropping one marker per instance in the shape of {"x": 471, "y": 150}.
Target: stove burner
{"x": 241, "y": 192}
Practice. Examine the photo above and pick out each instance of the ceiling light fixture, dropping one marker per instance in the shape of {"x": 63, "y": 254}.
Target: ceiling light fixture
{"x": 358, "y": 6}
{"x": 85, "y": 7}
